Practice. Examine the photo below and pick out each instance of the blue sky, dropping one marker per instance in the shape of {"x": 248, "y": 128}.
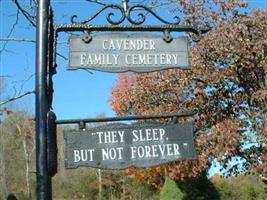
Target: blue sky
{"x": 77, "y": 93}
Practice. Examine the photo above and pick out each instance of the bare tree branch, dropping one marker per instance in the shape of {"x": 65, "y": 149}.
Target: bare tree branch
{"x": 60, "y": 55}
{"x": 26, "y": 14}
{"x": 97, "y": 2}
{"x": 16, "y": 40}
{"x": 17, "y": 97}
{"x": 6, "y": 76}
{"x": 11, "y": 31}
{"x": 87, "y": 70}
{"x": 27, "y": 40}
{"x": 24, "y": 40}
{"x": 23, "y": 82}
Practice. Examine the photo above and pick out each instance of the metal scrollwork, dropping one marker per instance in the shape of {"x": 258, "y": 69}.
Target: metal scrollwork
{"x": 126, "y": 13}
{"x": 142, "y": 17}
{"x": 109, "y": 16}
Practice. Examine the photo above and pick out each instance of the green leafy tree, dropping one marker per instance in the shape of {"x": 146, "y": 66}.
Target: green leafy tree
{"x": 171, "y": 191}
{"x": 225, "y": 189}
{"x": 243, "y": 187}
{"x": 251, "y": 188}
{"x": 199, "y": 188}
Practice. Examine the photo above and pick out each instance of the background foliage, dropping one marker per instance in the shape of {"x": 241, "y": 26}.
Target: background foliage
{"x": 85, "y": 183}
{"x": 226, "y": 87}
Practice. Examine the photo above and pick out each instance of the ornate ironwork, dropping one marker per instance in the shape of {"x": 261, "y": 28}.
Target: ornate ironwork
{"x": 136, "y": 25}
{"x": 109, "y": 16}
{"x": 47, "y": 34}
{"x": 142, "y": 17}
{"x": 126, "y": 13}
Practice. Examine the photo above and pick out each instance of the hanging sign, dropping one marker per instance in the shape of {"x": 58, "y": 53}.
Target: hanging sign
{"x": 121, "y": 146}
{"x": 117, "y": 52}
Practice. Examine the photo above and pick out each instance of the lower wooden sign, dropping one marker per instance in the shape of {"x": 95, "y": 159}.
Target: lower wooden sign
{"x": 118, "y": 146}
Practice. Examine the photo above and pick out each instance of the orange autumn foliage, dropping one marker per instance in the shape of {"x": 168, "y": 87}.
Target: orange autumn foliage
{"x": 227, "y": 81}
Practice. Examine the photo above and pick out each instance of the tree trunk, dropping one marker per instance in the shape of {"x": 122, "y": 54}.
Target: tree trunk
{"x": 123, "y": 189}
{"x": 27, "y": 160}
{"x": 2, "y": 169}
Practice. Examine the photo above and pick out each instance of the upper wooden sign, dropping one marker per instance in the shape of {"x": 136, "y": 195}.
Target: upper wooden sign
{"x": 117, "y": 52}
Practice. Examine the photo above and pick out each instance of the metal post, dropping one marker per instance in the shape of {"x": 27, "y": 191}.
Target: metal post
{"x": 43, "y": 178}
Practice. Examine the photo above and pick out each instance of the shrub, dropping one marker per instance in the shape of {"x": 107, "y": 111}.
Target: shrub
{"x": 225, "y": 189}
{"x": 251, "y": 188}
{"x": 171, "y": 191}
{"x": 247, "y": 187}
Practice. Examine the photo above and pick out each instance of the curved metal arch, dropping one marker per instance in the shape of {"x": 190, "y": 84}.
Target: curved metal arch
{"x": 109, "y": 15}
{"x": 142, "y": 17}
{"x": 126, "y": 13}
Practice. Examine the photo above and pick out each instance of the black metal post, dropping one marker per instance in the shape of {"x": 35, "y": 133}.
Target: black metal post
{"x": 43, "y": 178}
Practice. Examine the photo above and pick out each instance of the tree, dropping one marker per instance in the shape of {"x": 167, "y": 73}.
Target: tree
{"x": 17, "y": 134}
{"x": 226, "y": 87}
{"x": 171, "y": 191}
{"x": 241, "y": 187}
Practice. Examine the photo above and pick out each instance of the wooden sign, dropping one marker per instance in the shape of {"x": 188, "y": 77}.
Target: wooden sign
{"x": 117, "y": 52}
{"x": 121, "y": 146}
